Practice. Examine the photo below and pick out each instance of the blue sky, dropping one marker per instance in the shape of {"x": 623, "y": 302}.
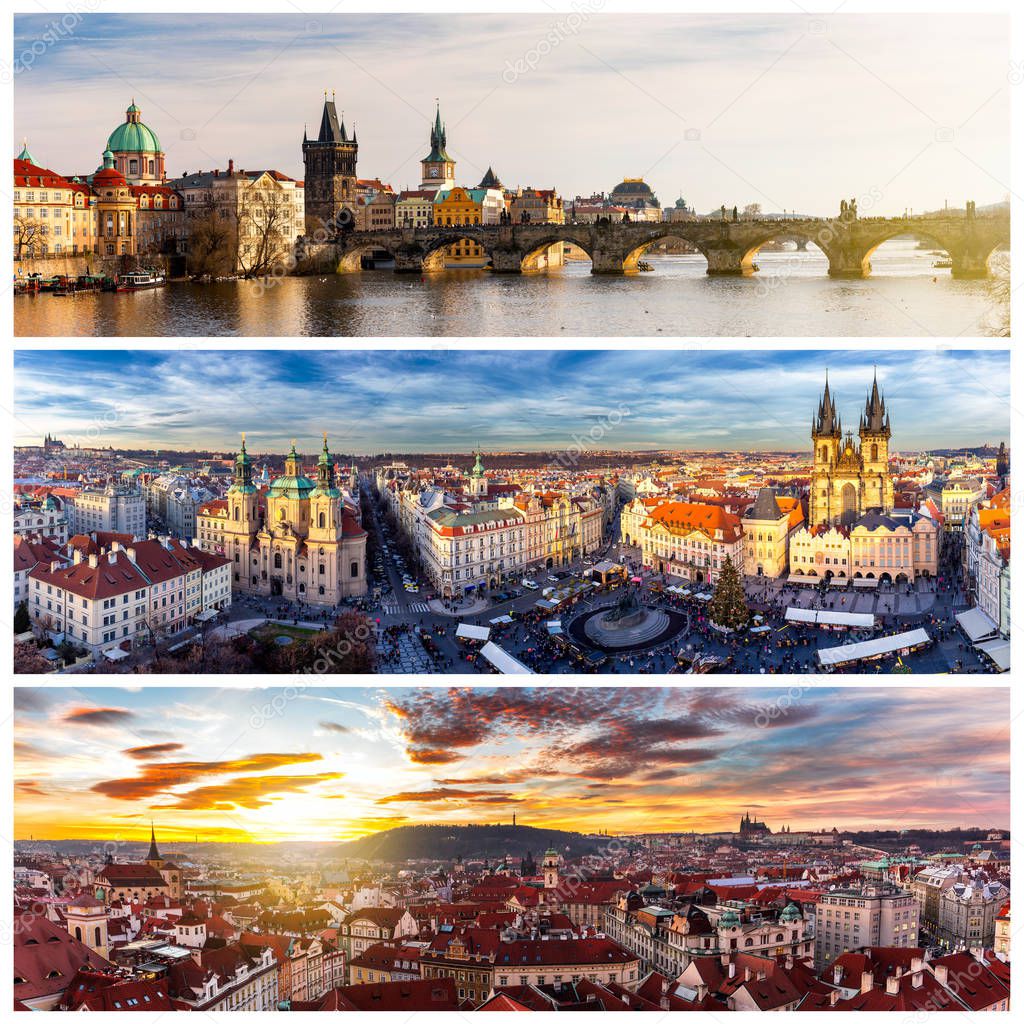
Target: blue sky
{"x": 791, "y": 111}
{"x": 102, "y": 762}
{"x": 503, "y": 399}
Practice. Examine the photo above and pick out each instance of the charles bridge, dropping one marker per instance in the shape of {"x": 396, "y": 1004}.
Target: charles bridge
{"x": 728, "y": 245}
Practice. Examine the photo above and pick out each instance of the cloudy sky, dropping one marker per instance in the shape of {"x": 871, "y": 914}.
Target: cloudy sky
{"x": 428, "y": 400}
{"x": 319, "y": 763}
{"x": 790, "y": 111}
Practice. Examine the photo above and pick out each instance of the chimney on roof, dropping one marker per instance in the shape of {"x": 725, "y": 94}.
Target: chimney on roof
{"x": 732, "y": 969}
{"x": 892, "y": 985}
{"x": 94, "y": 561}
{"x": 941, "y": 972}
{"x": 231, "y": 166}
{"x": 833, "y": 997}
{"x": 918, "y": 979}
{"x": 76, "y": 556}
{"x": 54, "y": 566}
{"x": 916, "y": 963}
{"x": 111, "y": 557}
{"x": 216, "y": 173}
{"x": 867, "y": 981}
{"x": 131, "y": 553}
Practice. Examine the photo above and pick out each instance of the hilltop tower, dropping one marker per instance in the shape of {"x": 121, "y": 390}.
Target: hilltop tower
{"x": 330, "y": 162}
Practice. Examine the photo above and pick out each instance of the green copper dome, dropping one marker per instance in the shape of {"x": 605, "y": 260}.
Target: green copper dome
{"x": 133, "y": 136}
{"x": 293, "y": 484}
{"x": 790, "y": 913}
{"x": 730, "y": 919}
{"x": 25, "y": 154}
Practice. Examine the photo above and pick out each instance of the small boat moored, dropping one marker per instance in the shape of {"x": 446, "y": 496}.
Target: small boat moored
{"x": 137, "y": 280}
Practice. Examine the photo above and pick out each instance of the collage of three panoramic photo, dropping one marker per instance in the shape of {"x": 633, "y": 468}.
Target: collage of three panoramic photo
{"x": 558, "y": 341}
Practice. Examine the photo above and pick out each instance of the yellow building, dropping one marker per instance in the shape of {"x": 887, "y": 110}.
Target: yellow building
{"x": 455, "y": 207}
{"x": 537, "y": 206}
{"x": 115, "y": 210}
{"x": 44, "y": 206}
{"x": 894, "y": 547}
{"x": 414, "y": 209}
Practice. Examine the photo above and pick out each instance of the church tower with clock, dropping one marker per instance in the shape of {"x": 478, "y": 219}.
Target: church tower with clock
{"x": 438, "y": 166}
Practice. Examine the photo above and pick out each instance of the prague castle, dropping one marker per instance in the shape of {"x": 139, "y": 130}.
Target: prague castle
{"x": 849, "y": 478}
{"x": 308, "y": 545}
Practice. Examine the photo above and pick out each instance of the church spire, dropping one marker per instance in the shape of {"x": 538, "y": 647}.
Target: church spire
{"x": 827, "y": 423}
{"x": 875, "y": 419}
{"x": 154, "y": 853}
{"x": 243, "y": 470}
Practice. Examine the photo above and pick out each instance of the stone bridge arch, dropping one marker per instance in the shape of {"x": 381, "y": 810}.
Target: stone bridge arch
{"x": 634, "y": 252}
{"x": 970, "y": 242}
{"x": 350, "y": 256}
{"x": 432, "y": 248}
{"x": 525, "y": 257}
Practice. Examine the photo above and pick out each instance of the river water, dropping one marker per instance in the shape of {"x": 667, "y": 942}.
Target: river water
{"x": 790, "y": 296}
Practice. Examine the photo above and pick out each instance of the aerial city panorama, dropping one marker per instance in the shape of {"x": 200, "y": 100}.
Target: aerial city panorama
{"x": 652, "y": 849}
{"x": 352, "y": 349}
{"x": 511, "y": 175}
{"x": 512, "y": 512}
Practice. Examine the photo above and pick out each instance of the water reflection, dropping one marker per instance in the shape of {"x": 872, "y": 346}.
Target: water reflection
{"x": 791, "y": 296}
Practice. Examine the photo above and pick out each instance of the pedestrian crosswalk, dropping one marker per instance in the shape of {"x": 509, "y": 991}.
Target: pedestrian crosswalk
{"x": 414, "y": 607}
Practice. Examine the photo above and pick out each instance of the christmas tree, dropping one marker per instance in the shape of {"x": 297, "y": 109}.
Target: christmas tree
{"x": 728, "y": 608}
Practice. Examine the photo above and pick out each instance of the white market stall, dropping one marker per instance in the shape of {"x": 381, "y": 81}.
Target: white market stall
{"x": 503, "y": 661}
{"x": 878, "y": 647}
{"x": 467, "y": 631}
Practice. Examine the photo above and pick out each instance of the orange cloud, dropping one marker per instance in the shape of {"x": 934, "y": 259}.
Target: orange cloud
{"x": 158, "y": 778}
{"x": 99, "y": 716}
{"x": 153, "y": 750}
{"x": 251, "y": 792}
{"x": 427, "y": 796}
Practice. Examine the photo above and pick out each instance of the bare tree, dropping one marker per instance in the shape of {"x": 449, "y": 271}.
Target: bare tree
{"x": 27, "y": 232}
{"x": 751, "y": 210}
{"x": 264, "y": 228}
{"x": 212, "y": 241}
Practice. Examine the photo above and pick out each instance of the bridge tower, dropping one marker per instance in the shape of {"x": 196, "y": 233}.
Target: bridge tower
{"x": 330, "y": 162}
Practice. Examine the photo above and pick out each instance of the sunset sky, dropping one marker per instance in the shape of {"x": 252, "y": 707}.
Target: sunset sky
{"x": 792, "y": 111}
{"x": 319, "y": 763}
{"x": 505, "y": 399}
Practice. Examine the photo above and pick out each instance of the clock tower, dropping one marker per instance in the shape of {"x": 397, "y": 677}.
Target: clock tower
{"x": 438, "y": 166}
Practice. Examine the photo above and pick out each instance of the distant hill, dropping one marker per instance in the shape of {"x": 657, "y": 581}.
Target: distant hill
{"x": 447, "y": 842}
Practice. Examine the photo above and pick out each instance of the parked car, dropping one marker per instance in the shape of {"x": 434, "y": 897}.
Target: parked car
{"x": 530, "y": 585}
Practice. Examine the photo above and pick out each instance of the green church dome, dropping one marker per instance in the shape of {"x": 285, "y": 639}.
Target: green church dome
{"x": 133, "y": 136}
